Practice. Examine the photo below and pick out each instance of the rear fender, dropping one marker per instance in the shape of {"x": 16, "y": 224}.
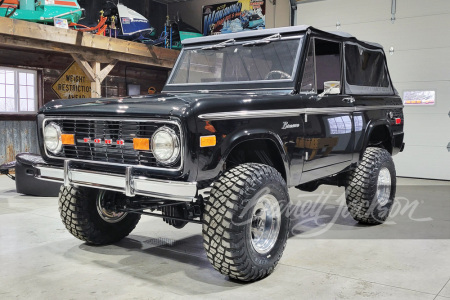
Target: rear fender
{"x": 375, "y": 125}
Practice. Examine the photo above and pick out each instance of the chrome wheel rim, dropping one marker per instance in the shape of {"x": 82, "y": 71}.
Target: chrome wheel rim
{"x": 265, "y": 225}
{"x": 106, "y": 214}
{"x": 383, "y": 187}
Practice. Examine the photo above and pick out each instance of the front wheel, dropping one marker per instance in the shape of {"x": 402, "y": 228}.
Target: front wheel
{"x": 85, "y": 213}
{"x": 371, "y": 187}
{"x": 246, "y": 222}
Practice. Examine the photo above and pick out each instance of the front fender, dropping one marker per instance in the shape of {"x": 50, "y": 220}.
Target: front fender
{"x": 212, "y": 160}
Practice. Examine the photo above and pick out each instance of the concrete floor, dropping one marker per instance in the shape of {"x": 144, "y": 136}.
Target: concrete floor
{"x": 329, "y": 256}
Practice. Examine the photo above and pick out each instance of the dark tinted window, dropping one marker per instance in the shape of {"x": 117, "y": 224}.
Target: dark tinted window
{"x": 328, "y": 62}
{"x": 323, "y": 63}
{"x": 365, "y": 67}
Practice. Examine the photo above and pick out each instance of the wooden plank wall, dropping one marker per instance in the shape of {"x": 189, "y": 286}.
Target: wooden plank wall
{"x": 17, "y": 137}
{"x": 114, "y": 85}
{"x": 20, "y": 136}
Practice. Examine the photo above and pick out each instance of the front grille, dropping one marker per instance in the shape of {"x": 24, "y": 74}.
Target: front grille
{"x": 116, "y": 140}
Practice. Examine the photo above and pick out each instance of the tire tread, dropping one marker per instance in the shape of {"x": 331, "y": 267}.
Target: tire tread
{"x": 223, "y": 241}
{"x": 362, "y": 184}
{"x": 80, "y": 219}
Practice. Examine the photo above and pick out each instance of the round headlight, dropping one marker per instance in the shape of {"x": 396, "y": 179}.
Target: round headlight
{"x": 52, "y": 138}
{"x": 165, "y": 145}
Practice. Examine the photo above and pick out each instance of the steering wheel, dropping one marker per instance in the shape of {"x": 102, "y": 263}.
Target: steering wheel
{"x": 283, "y": 75}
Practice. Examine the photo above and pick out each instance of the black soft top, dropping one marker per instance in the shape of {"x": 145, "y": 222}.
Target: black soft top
{"x": 281, "y": 30}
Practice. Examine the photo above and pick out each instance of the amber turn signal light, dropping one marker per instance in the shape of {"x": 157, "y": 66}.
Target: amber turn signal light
{"x": 141, "y": 144}
{"x": 68, "y": 139}
{"x": 208, "y": 141}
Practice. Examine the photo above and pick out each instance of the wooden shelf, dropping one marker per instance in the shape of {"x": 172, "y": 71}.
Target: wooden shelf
{"x": 94, "y": 48}
{"x": 87, "y": 49}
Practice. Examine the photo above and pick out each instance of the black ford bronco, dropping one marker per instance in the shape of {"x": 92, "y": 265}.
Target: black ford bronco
{"x": 242, "y": 118}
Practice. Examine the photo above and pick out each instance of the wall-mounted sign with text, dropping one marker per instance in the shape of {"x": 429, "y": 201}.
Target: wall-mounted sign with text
{"x": 419, "y": 97}
{"x": 73, "y": 83}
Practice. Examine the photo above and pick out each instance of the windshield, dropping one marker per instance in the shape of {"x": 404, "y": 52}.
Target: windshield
{"x": 231, "y": 62}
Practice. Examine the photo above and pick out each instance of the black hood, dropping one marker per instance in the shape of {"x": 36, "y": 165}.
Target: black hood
{"x": 148, "y": 106}
{"x": 161, "y": 105}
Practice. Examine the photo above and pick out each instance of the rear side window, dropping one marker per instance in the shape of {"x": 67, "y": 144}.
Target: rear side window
{"x": 365, "y": 70}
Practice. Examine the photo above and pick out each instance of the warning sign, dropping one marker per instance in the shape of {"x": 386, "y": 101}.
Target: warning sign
{"x": 73, "y": 83}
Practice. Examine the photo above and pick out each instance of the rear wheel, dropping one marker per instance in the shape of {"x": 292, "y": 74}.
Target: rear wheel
{"x": 85, "y": 213}
{"x": 371, "y": 187}
{"x": 246, "y": 222}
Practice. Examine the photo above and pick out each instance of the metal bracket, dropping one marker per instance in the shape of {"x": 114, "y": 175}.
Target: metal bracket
{"x": 129, "y": 189}
{"x": 66, "y": 173}
{"x": 348, "y": 100}
{"x": 393, "y": 10}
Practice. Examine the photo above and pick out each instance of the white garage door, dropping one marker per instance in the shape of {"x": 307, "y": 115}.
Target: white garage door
{"x": 420, "y": 37}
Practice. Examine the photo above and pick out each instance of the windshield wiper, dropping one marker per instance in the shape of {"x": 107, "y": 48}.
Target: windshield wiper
{"x": 263, "y": 41}
{"x": 219, "y": 45}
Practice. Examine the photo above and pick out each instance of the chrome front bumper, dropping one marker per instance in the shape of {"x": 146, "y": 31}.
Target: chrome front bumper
{"x": 127, "y": 183}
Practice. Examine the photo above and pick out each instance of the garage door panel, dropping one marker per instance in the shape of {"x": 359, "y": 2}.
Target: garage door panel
{"x": 419, "y": 62}
{"x": 420, "y": 131}
{"x": 417, "y": 8}
{"x": 423, "y": 162}
{"x": 405, "y": 34}
{"x": 423, "y": 65}
{"x": 327, "y": 13}
{"x": 321, "y": 13}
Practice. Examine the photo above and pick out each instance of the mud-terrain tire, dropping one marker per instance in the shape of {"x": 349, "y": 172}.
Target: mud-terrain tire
{"x": 81, "y": 216}
{"x": 371, "y": 187}
{"x": 246, "y": 222}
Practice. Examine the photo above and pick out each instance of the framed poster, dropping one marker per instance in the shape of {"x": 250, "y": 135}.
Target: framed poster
{"x": 234, "y": 16}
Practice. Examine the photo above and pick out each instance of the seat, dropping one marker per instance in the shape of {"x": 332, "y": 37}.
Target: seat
{"x": 11, "y": 7}
{"x": 9, "y": 3}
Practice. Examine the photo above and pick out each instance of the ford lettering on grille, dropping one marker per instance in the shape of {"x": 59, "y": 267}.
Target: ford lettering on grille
{"x": 110, "y": 141}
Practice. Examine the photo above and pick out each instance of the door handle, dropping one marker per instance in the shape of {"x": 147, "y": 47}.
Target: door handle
{"x": 348, "y": 100}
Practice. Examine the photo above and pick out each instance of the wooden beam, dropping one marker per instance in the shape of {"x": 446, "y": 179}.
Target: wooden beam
{"x": 153, "y": 53}
{"x": 96, "y": 85}
{"x": 14, "y": 57}
{"x": 89, "y": 54}
{"x": 103, "y": 73}
{"x": 94, "y": 73}
{"x": 30, "y": 35}
{"x": 84, "y": 65}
